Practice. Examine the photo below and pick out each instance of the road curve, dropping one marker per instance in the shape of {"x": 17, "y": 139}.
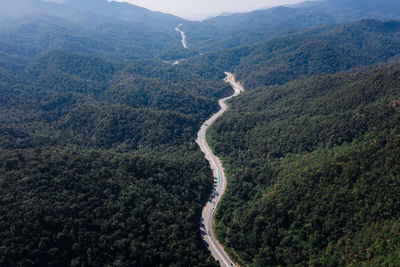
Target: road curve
{"x": 220, "y": 182}
{"x": 183, "y": 35}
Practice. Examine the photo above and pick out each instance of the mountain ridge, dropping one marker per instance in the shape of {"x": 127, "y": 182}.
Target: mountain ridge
{"x": 99, "y": 110}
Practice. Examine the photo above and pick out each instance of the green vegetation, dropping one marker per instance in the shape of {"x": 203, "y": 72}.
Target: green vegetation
{"x": 324, "y": 50}
{"x": 69, "y": 206}
{"x": 244, "y": 29}
{"x": 98, "y": 162}
{"x": 330, "y": 207}
{"x": 116, "y": 40}
{"x": 313, "y": 170}
{"x": 69, "y": 99}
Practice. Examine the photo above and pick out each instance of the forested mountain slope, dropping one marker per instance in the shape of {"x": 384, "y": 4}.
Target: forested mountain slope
{"x": 98, "y": 164}
{"x": 36, "y": 27}
{"x": 79, "y": 11}
{"x": 98, "y": 161}
{"x": 236, "y": 30}
{"x": 127, "y": 12}
{"x": 313, "y": 170}
{"x": 116, "y": 40}
{"x": 327, "y": 49}
{"x": 67, "y": 98}
{"x": 70, "y": 206}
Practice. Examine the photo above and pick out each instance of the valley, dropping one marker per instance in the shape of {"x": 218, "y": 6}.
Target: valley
{"x": 220, "y": 180}
{"x": 126, "y": 140}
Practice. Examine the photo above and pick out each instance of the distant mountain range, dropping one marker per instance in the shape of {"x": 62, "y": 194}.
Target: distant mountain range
{"x": 99, "y": 109}
{"x": 221, "y": 32}
{"x": 245, "y": 28}
{"x": 75, "y": 11}
{"x": 93, "y": 27}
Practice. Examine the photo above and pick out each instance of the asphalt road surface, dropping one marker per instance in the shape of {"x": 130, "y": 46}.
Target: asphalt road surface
{"x": 220, "y": 182}
{"x": 183, "y": 35}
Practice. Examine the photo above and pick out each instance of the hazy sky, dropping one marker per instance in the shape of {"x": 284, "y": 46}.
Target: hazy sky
{"x": 199, "y": 9}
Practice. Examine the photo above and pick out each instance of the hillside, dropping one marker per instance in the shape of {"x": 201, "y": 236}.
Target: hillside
{"x": 127, "y": 32}
{"x": 98, "y": 160}
{"x": 127, "y": 12}
{"x": 326, "y": 49}
{"x": 310, "y": 162}
{"x": 224, "y": 32}
{"x": 97, "y": 137}
{"x": 79, "y": 11}
{"x": 95, "y": 157}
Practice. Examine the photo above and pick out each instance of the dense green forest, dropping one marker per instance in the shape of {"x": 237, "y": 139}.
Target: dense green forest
{"x": 86, "y": 101}
{"x": 72, "y": 206}
{"x": 243, "y": 29}
{"x": 313, "y": 170}
{"x": 98, "y": 164}
{"x": 331, "y": 207}
{"x": 121, "y": 41}
{"x": 326, "y": 49}
{"x": 98, "y": 161}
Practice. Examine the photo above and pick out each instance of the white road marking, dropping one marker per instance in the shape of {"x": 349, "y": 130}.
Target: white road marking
{"x": 216, "y": 165}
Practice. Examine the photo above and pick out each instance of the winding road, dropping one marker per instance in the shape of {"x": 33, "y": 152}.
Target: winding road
{"x": 183, "y": 35}
{"x": 220, "y": 182}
